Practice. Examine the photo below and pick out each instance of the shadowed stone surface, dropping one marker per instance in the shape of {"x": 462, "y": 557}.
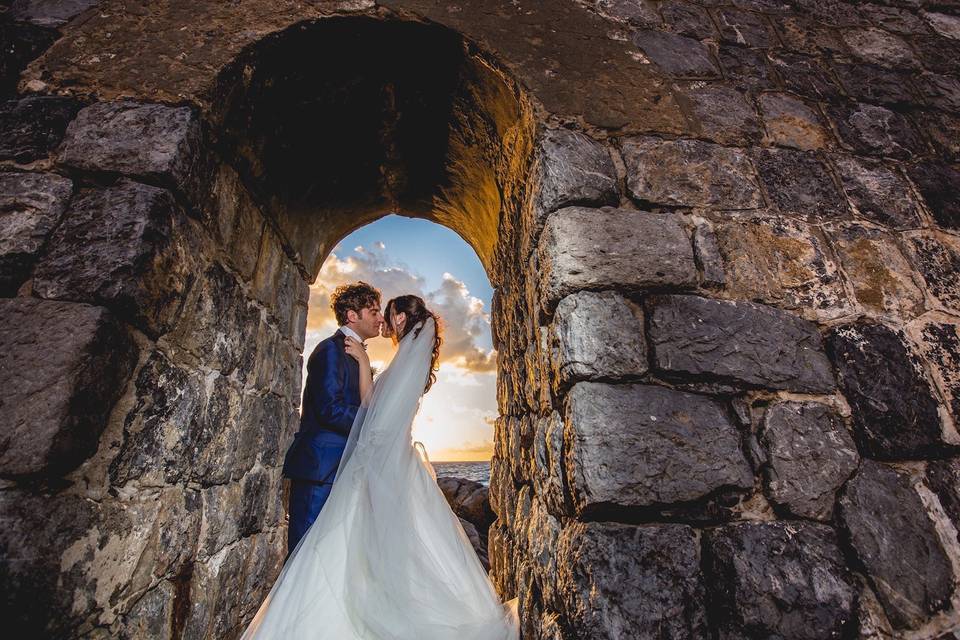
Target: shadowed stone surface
{"x": 45, "y": 13}
{"x": 878, "y": 192}
{"x": 677, "y": 56}
{"x": 126, "y": 247}
{"x": 689, "y": 173}
{"x": 57, "y": 552}
{"x": 810, "y": 455}
{"x": 31, "y": 204}
{"x": 779, "y": 580}
{"x": 870, "y": 83}
{"x": 798, "y": 183}
{"x": 744, "y": 28}
{"x": 148, "y": 141}
{"x": 670, "y": 446}
{"x": 32, "y": 127}
{"x": 894, "y": 412}
{"x": 621, "y": 581}
{"x": 939, "y": 183}
{"x": 943, "y": 477}
{"x": 597, "y": 335}
{"x": 22, "y": 42}
{"x": 738, "y": 341}
{"x": 895, "y": 540}
{"x": 62, "y": 367}
{"x": 612, "y": 248}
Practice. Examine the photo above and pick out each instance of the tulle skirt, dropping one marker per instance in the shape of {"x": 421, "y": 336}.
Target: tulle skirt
{"x": 386, "y": 559}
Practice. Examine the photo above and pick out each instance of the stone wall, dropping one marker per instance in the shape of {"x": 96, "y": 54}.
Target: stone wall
{"x": 726, "y": 313}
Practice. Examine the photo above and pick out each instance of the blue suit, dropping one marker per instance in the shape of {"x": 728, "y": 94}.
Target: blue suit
{"x": 331, "y": 399}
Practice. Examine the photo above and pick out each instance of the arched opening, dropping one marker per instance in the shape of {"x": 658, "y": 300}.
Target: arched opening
{"x": 332, "y": 123}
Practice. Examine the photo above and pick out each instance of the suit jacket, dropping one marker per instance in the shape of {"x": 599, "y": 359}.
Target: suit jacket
{"x": 331, "y": 399}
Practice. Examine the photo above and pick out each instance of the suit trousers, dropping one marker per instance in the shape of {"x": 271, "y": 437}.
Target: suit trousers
{"x": 306, "y": 500}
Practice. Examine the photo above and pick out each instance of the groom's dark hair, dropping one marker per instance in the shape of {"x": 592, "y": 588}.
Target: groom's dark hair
{"x": 353, "y": 297}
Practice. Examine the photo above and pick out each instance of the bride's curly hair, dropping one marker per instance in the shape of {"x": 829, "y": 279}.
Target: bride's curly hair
{"x": 416, "y": 310}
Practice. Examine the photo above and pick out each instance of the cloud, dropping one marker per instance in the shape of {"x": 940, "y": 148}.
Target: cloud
{"x": 464, "y": 317}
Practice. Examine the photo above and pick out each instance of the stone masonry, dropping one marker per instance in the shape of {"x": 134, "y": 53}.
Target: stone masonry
{"x": 724, "y": 238}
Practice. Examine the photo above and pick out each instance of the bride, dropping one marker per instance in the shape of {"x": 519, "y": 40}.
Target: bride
{"x": 387, "y": 558}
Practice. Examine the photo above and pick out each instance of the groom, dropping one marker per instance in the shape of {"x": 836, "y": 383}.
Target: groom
{"x": 331, "y": 399}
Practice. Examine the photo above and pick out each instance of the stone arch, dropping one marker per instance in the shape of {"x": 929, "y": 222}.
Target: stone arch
{"x": 736, "y": 233}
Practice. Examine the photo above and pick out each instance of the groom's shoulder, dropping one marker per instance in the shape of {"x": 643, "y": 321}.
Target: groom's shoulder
{"x": 331, "y": 342}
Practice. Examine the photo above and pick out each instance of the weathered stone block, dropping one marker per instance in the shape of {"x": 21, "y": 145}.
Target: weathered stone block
{"x": 744, "y": 28}
{"x": 157, "y": 430}
{"x": 877, "y": 192}
{"x": 874, "y": 130}
{"x": 640, "y": 14}
{"x": 943, "y": 478}
{"x": 747, "y": 69}
{"x": 622, "y": 581}
{"x": 153, "y": 142}
{"x": 877, "y": 45}
{"x": 31, "y": 127}
{"x": 63, "y": 365}
{"x": 784, "y": 262}
{"x": 641, "y": 446}
{"x": 802, "y": 35}
{"x": 943, "y": 23}
{"x": 596, "y": 335}
{"x": 64, "y": 570}
{"x": 573, "y": 169}
{"x": 743, "y": 342}
{"x": 810, "y": 454}
{"x": 780, "y": 580}
{"x": 896, "y": 541}
{"x": 706, "y": 251}
{"x": 870, "y": 83}
{"x": 939, "y": 183}
{"x": 944, "y": 130}
{"x": 689, "y": 173}
{"x": 45, "y": 13}
{"x": 721, "y": 113}
{"x": 804, "y": 76}
{"x": 126, "y": 247}
{"x": 940, "y": 344}
{"x": 687, "y": 20}
{"x": 938, "y": 54}
{"x": 676, "y": 55}
{"x": 799, "y": 183}
{"x": 31, "y": 204}
{"x": 612, "y": 249}
{"x": 894, "y": 412}
{"x": 937, "y": 256}
{"x": 940, "y": 91}
{"x": 547, "y": 469}
{"x": 881, "y": 277}
{"x": 791, "y": 123}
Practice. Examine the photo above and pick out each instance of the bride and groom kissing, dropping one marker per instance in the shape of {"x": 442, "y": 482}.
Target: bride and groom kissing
{"x": 374, "y": 550}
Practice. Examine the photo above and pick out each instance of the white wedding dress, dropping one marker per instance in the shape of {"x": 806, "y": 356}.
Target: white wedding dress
{"x": 387, "y": 559}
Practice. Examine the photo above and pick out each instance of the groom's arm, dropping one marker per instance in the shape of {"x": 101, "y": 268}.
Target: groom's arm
{"x": 325, "y": 378}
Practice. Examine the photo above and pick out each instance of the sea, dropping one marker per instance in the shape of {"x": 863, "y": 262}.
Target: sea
{"x": 476, "y": 471}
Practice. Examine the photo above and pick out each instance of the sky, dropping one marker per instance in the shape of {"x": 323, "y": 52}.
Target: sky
{"x": 406, "y": 255}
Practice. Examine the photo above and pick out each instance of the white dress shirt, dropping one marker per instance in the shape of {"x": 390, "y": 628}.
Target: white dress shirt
{"x": 347, "y": 331}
